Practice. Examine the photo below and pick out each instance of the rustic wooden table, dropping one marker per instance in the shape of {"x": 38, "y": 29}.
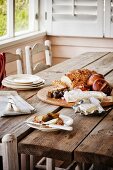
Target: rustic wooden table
{"x": 91, "y": 138}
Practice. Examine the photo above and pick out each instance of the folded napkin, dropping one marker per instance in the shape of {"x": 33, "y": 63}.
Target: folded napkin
{"x": 12, "y": 104}
{"x": 2, "y": 68}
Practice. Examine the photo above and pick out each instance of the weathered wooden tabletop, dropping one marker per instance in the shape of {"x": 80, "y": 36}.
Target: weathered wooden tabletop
{"x": 91, "y": 136}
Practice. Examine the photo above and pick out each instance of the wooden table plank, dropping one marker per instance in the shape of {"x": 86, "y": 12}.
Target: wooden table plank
{"x": 103, "y": 65}
{"x": 41, "y": 144}
{"x": 77, "y": 62}
{"x": 109, "y": 78}
{"x": 16, "y": 125}
{"x": 13, "y": 124}
{"x": 61, "y": 144}
{"x": 98, "y": 146}
{"x": 55, "y": 72}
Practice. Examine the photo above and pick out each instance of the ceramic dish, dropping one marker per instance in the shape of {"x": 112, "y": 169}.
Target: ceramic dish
{"x": 66, "y": 119}
{"x": 22, "y": 84}
{"x": 24, "y": 79}
{"x": 21, "y": 87}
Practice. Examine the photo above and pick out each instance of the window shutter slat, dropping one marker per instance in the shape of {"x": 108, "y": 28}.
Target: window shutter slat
{"x": 76, "y": 17}
{"x": 108, "y": 18}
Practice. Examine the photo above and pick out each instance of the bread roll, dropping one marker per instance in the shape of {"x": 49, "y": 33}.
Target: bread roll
{"x": 94, "y": 77}
{"x": 101, "y": 85}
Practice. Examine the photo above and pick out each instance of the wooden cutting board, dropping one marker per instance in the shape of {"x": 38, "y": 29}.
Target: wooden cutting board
{"x": 42, "y": 95}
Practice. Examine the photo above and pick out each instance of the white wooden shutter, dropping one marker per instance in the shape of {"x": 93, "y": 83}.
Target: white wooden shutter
{"x": 75, "y": 17}
{"x": 108, "y": 18}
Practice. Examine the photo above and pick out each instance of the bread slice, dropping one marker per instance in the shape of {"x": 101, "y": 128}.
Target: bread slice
{"x": 65, "y": 79}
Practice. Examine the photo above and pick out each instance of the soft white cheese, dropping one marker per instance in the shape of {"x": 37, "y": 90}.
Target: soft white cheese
{"x": 74, "y": 95}
{"x": 87, "y": 108}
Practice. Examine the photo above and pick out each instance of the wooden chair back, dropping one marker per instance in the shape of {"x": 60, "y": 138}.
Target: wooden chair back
{"x": 18, "y": 57}
{"x": 8, "y": 151}
{"x": 37, "y": 48}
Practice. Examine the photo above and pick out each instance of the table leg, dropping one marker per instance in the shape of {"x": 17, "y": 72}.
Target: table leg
{"x": 25, "y": 162}
{"x": 50, "y": 164}
{"x": 79, "y": 166}
{"x": 72, "y": 165}
{"x": 86, "y": 166}
{"x": 101, "y": 167}
{"x": 40, "y": 164}
{"x": 83, "y": 166}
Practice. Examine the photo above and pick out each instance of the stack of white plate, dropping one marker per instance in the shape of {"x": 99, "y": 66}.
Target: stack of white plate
{"x": 23, "y": 81}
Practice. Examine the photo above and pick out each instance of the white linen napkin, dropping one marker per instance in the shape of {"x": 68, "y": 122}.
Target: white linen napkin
{"x": 12, "y": 104}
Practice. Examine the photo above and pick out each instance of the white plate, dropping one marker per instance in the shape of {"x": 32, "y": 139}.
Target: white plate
{"x": 18, "y": 84}
{"x": 66, "y": 119}
{"x": 20, "y": 87}
{"x": 26, "y": 79}
{"x": 23, "y": 84}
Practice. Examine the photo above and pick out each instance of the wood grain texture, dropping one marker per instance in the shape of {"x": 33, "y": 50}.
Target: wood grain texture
{"x": 55, "y": 72}
{"x": 43, "y": 96}
{"x": 109, "y": 78}
{"x": 98, "y": 146}
{"x": 103, "y": 65}
{"x": 16, "y": 125}
{"x": 60, "y": 144}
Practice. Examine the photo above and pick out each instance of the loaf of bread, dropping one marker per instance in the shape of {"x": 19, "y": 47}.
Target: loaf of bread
{"x": 83, "y": 79}
{"x": 86, "y": 80}
{"x": 77, "y": 79}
